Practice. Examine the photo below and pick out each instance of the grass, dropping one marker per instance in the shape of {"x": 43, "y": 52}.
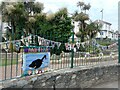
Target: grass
{"x": 3, "y": 62}
{"x": 105, "y": 42}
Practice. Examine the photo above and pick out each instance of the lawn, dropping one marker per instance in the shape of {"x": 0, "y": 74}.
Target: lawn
{"x": 4, "y": 63}
{"x": 105, "y": 42}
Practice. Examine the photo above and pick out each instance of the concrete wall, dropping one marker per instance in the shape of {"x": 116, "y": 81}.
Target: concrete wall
{"x": 79, "y": 77}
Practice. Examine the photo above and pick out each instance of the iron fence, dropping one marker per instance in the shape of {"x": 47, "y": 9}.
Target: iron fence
{"x": 63, "y": 54}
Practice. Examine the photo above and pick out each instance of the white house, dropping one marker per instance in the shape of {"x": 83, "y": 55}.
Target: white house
{"x": 106, "y": 31}
{"x": 76, "y": 26}
{"x": 75, "y": 30}
{"x": 115, "y": 35}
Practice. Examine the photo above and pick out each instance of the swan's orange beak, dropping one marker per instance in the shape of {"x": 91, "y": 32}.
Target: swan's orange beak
{"x": 35, "y": 67}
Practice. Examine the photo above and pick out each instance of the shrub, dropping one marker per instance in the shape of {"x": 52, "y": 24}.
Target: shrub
{"x": 57, "y": 50}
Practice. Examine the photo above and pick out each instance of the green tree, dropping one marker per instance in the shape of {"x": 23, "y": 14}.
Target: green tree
{"x": 86, "y": 7}
{"x": 81, "y": 5}
{"x": 81, "y": 17}
{"x": 57, "y": 27}
{"x": 20, "y": 16}
{"x": 85, "y": 30}
{"x": 92, "y": 29}
{"x": 14, "y": 15}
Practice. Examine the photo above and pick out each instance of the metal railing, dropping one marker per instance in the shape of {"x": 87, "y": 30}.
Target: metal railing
{"x": 60, "y": 58}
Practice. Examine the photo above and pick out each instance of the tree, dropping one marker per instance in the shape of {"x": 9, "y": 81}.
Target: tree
{"x": 85, "y": 29}
{"x": 14, "y": 15}
{"x": 81, "y": 17}
{"x": 81, "y": 5}
{"x": 33, "y": 7}
{"x": 92, "y": 29}
{"x": 55, "y": 26}
{"x": 38, "y": 7}
{"x": 86, "y": 7}
{"x": 19, "y": 16}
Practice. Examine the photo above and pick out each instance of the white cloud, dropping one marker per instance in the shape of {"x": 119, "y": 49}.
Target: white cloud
{"x": 1, "y": 1}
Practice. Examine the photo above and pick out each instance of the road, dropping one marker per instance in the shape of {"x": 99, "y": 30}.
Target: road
{"x": 113, "y": 84}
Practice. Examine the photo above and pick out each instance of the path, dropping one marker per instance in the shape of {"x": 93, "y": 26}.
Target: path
{"x": 113, "y": 84}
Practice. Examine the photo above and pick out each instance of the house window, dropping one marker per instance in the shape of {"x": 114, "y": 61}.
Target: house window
{"x": 106, "y": 26}
{"x": 112, "y": 35}
{"x": 101, "y": 33}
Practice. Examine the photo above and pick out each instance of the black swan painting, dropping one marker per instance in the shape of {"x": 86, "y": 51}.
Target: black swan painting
{"x": 37, "y": 63}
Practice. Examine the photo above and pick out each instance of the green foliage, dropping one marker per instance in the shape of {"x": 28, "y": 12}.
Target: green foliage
{"x": 24, "y": 23}
{"x": 3, "y": 39}
{"x": 105, "y": 42}
{"x": 86, "y": 31}
{"x": 92, "y": 29}
{"x": 36, "y": 41}
{"x": 53, "y": 28}
{"x": 57, "y": 50}
{"x": 14, "y": 14}
{"x": 81, "y": 49}
{"x": 11, "y": 47}
{"x": 81, "y": 17}
{"x": 18, "y": 15}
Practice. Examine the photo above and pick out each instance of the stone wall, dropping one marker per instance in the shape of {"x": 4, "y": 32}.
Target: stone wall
{"x": 79, "y": 77}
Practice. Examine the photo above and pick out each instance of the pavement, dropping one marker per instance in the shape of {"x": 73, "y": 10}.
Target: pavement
{"x": 114, "y": 84}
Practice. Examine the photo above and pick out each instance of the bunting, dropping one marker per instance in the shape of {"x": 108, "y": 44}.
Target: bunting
{"x": 43, "y": 42}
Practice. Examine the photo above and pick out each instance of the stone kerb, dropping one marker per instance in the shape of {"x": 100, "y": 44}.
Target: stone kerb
{"x": 79, "y": 77}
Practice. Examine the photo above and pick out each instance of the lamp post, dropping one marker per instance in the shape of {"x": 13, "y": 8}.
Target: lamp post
{"x": 102, "y": 14}
{"x": 72, "y": 51}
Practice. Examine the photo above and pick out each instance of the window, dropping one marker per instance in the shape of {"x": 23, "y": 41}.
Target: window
{"x": 101, "y": 33}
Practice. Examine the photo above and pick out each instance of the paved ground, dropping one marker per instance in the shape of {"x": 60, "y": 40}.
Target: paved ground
{"x": 114, "y": 84}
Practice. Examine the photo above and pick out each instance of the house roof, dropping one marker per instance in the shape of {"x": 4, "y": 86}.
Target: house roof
{"x": 101, "y": 21}
{"x": 103, "y": 30}
{"x": 111, "y": 31}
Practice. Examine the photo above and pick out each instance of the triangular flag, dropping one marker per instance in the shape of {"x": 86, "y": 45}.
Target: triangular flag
{"x": 53, "y": 44}
{"x": 58, "y": 44}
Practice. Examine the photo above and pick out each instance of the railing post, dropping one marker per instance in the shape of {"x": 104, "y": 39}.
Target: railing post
{"x": 119, "y": 48}
{"x": 72, "y": 51}
{"x": 12, "y": 39}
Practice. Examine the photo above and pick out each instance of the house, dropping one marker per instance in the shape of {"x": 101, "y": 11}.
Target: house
{"x": 106, "y": 31}
{"x": 115, "y": 35}
{"x": 75, "y": 30}
{"x": 3, "y": 29}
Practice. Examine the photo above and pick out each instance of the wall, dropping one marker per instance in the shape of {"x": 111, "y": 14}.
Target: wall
{"x": 79, "y": 77}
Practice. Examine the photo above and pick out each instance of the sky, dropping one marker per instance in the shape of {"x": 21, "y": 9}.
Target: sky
{"x": 110, "y": 9}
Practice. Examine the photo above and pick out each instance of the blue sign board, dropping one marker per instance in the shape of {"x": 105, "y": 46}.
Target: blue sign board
{"x": 35, "y": 61}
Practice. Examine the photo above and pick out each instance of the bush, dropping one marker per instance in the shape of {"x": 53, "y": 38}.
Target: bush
{"x": 3, "y": 39}
{"x": 36, "y": 41}
{"x": 82, "y": 49}
{"x": 11, "y": 47}
{"x": 57, "y": 50}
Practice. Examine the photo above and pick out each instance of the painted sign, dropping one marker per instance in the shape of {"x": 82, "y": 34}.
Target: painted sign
{"x": 36, "y": 50}
{"x": 35, "y": 61}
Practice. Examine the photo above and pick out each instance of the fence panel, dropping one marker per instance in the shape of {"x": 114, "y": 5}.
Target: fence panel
{"x": 63, "y": 54}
